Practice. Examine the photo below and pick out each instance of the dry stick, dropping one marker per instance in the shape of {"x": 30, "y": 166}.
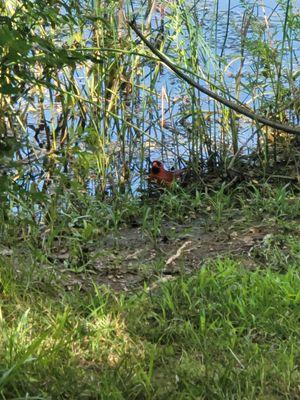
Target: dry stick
{"x": 234, "y": 106}
{"x": 178, "y": 253}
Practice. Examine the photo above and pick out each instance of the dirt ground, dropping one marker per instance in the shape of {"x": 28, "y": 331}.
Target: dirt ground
{"x": 124, "y": 262}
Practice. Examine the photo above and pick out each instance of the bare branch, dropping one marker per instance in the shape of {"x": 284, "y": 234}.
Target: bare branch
{"x": 232, "y": 105}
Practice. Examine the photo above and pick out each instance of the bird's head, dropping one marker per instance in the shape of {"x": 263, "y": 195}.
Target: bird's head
{"x": 157, "y": 166}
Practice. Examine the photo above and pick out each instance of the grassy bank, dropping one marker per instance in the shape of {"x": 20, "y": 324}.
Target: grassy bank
{"x": 229, "y": 329}
{"x": 224, "y": 333}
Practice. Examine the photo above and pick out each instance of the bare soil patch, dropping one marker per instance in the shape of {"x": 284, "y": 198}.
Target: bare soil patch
{"x": 127, "y": 260}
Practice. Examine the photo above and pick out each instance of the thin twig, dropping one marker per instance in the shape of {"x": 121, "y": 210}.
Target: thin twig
{"x": 178, "y": 253}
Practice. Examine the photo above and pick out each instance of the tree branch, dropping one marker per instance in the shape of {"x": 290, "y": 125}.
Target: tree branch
{"x": 232, "y": 105}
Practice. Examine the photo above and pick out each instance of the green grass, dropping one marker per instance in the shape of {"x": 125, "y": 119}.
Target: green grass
{"x": 225, "y": 333}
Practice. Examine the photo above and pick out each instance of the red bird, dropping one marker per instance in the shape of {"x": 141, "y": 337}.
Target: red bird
{"x": 160, "y": 175}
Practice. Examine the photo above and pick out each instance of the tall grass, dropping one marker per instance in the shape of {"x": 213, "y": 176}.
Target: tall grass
{"x": 91, "y": 103}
